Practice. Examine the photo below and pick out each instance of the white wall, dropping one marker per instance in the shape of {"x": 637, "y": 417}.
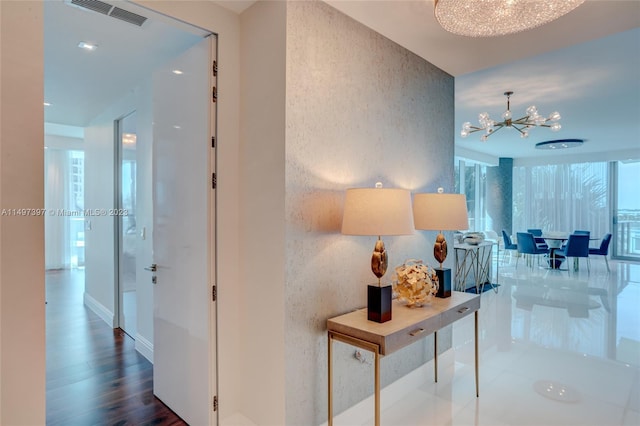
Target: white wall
{"x": 99, "y": 183}
{"x": 63, "y": 142}
{"x": 262, "y": 174}
{"x": 22, "y": 301}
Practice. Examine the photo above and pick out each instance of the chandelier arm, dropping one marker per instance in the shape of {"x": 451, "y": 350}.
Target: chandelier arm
{"x": 523, "y": 121}
{"x": 518, "y": 129}
{"x": 498, "y": 127}
{"x": 474, "y": 129}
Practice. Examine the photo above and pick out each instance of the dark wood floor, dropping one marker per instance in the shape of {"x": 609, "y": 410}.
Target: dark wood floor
{"x": 94, "y": 374}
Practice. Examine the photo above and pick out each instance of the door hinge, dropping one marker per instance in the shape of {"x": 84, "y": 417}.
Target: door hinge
{"x": 214, "y": 68}
{"x": 214, "y": 293}
{"x": 213, "y": 141}
{"x": 214, "y": 181}
{"x": 215, "y": 403}
{"x": 214, "y": 94}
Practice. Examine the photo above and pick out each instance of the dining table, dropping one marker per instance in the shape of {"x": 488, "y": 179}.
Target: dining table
{"x": 555, "y": 240}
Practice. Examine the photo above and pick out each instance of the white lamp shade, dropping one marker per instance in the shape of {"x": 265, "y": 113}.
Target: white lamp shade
{"x": 440, "y": 212}
{"x": 377, "y": 211}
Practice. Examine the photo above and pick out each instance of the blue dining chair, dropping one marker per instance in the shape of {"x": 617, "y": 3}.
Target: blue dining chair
{"x": 577, "y": 246}
{"x": 603, "y": 250}
{"x": 579, "y": 232}
{"x": 508, "y": 245}
{"x": 537, "y": 235}
{"x": 527, "y": 246}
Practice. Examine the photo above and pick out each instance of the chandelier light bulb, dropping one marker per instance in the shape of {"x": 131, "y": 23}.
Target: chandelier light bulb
{"x": 523, "y": 124}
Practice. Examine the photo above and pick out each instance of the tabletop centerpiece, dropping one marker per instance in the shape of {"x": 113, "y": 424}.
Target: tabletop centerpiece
{"x": 415, "y": 283}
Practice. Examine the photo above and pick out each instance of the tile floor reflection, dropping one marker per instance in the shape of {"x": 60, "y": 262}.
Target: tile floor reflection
{"x": 556, "y": 348}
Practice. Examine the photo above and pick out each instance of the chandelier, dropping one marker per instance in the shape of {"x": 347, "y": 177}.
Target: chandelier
{"x": 522, "y": 125}
{"x": 490, "y": 18}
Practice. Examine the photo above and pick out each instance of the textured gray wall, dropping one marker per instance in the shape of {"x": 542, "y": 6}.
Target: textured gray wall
{"x": 500, "y": 195}
{"x": 359, "y": 109}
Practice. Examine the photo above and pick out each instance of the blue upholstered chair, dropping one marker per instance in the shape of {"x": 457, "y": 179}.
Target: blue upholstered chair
{"x": 508, "y": 245}
{"x": 527, "y": 246}
{"x": 603, "y": 250}
{"x": 577, "y": 246}
{"x": 579, "y": 232}
{"x": 537, "y": 236}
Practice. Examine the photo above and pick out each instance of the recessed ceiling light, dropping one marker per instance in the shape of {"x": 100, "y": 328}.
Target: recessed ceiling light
{"x": 177, "y": 72}
{"x": 87, "y": 46}
{"x": 560, "y": 144}
{"x": 46, "y": 104}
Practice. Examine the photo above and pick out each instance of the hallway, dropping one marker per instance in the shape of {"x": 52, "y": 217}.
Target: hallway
{"x": 94, "y": 374}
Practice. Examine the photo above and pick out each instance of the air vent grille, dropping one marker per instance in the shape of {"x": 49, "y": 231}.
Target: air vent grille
{"x": 130, "y": 17}
{"x": 95, "y": 5}
{"x": 110, "y": 10}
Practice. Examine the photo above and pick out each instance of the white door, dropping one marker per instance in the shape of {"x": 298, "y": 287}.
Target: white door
{"x": 183, "y": 234}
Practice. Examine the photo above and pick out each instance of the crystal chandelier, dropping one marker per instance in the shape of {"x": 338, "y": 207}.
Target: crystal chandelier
{"x": 490, "y": 18}
{"x": 522, "y": 125}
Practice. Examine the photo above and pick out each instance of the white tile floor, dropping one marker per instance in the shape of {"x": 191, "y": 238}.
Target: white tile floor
{"x": 550, "y": 354}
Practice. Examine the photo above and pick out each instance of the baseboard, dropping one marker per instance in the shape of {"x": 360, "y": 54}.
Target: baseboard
{"x": 145, "y": 347}
{"x": 389, "y": 395}
{"x": 100, "y": 310}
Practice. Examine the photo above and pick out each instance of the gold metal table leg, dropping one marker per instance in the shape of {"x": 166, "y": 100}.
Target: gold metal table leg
{"x": 435, "y": 356}
{"x": 377, "y": 388}
{"x": 372, "y": 347}
{"x": 476, "y": 339}
{"x": 330, "y": 381}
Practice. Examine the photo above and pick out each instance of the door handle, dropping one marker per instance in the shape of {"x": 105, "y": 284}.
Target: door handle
{"x": 152, "y": 268}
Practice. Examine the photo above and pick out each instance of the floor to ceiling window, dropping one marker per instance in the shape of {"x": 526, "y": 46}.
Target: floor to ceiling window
{"x": 561, "y": 197}
{"x": 471, "y": 180}
{"x": 626, "y": 210}
{"x": 597, "y": 196}
{"x": 64, "y": 208}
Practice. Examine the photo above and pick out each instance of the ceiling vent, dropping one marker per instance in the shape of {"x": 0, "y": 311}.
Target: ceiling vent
{"x": 109, "y": 10}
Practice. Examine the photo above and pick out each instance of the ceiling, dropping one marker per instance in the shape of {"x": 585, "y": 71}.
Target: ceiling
{"x": 80, "y": 84}
{"x": 584, "y": 65}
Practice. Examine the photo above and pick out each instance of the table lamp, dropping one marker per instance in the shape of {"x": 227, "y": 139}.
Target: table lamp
{"x": 441, "y": 212}
{"x": 378, "y": 211}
